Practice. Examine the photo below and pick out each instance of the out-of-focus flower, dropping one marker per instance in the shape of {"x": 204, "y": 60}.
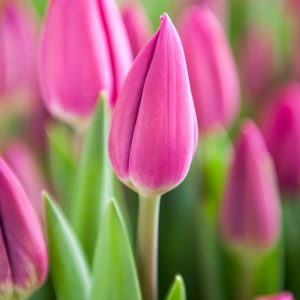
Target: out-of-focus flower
{"x": 281, "y": 296}
{"x": 250, "y": 212}
{"x": 137, "y": 25}
{"x": 23, "y": 253}
{"x": 18, "y": 83}
{"x": 212, "y": 71}
{"x": 281, "y": 127}
{"x": 154, "y": 129}
{"x": 259, "y": 62}
{"x": 23, "y": 163}
{"x": 84, "y": 49}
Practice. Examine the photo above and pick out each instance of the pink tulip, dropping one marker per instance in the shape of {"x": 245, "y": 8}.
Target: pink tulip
{"x": 212, "y": 71}
{"x": 258, "y": 53}
{"x": 250, "y": 212}
{"x": 137, "y": 25}
{"x": 17, "y": 52}
{"x": 24, "y": 165}
{"x": 23, "y": 253}
{"x": 281, "y": 296}
{"x": 154, "y": 132}
{"x": 83, "y": 50}
{"x": 281, "y": 127}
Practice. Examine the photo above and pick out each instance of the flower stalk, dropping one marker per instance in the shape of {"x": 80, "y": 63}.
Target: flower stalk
{"x": 148, "y": 221}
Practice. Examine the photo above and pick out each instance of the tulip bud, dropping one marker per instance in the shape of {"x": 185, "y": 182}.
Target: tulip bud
{"x": 281, "y": 296}
{"x": 23, "y": 163}
{"x": 23, "y": 253}
{"x": 17, "y": 65}
{"x": 250, "y": 212}
{"x": 137, "y": 25}
{"x": 281, "y": 127}
{"x": 154, "y": 131}
{"x": 84, "y": 49}
{"x": 258, "y": 53}
{"x": 212, "y": 71}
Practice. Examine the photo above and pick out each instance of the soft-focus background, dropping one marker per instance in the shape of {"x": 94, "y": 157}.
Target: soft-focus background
{"x": 265, "y": 39}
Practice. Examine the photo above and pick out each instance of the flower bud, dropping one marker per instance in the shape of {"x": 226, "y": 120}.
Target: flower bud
{"x": 281, "y": 296}
{"x": 137, "y": 25}
{"x": 17, "y": 63}
{"x": 23, "y": 253}
{"x": 21, "y": 160}
{"x": 250, "y": 212}
{"x": 212, "y": 71}
{"x": 281, "y": 127}
{"x": 84, "y": 49}
{"x": 154, "y": 131}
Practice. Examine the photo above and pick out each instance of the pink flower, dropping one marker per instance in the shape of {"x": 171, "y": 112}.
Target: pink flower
{"x": 21, "y": 160}
{"x": 281, "y": 127}
{"x": 250, "y": 212}
{"x": 154, "y": 131}
{"x": 23, "y": 253}
{"x": 137, "y": 25}
{"x": 84, "y": 49}
{"x": 281, "y": 296}
{"x": 212, "y": 71}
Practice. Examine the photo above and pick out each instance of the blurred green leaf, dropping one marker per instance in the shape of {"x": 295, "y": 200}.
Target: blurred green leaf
{"x": 68, "y": 267}
{"x": 114, "y": 271}
{"x": 62, "y": 162}
{"x": 177, "y": 290}
{"x": 40, "y": 6}
{"x": 94, "y": 180}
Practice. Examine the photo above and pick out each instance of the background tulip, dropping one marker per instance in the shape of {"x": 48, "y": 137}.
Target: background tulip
{"x": 281, "y": 296}
{"x": 23, "y": 251}
{"x": 212, "y": 71}
{"x": 18, "y": 83}
{"x": 153, "y": 133}
{"x": 74, "y": 59}
{"x": 281, "y": 127}
{"x": 137, "y": 26}
{"x": 250, "y": 212}
{"x": 22, "y": 161}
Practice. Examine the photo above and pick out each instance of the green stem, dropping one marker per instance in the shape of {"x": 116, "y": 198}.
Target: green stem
{"x": 148, "y": 244}
{"x": 247, "y": 278}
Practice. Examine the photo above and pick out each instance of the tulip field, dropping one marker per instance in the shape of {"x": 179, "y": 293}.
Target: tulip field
{"x": 149, "y": 149}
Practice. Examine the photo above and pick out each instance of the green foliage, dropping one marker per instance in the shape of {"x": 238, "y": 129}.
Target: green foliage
{"x": 177, "y": 290}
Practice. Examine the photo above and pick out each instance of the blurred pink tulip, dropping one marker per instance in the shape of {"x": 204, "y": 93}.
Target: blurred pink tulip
{"x": 281, "y": 296}
{"x": 212, "y": 71}
{"x": 250, "y": 212}
{"x": 18, "y": 83}
{"x": 84, "y": 49}
{"x": 258, "y": 53}
{"x": 23, "y": 253}
{"x": 137, "y": 25}
{"x": 23, "y": 163}
{"x": 154, "y": 131}
{"x": 281, "y": 127}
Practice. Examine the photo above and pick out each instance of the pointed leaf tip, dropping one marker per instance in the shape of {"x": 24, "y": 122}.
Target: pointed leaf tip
{"x": 177, "y": 290}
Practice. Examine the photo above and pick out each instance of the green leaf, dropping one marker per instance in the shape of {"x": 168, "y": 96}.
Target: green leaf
{"x": 69, "y": 270}
{"x": 94, "y": 181}
{"x": 62, "y": 159}
{"x": 114, "y": 271}
{"x": 177, "y": 290}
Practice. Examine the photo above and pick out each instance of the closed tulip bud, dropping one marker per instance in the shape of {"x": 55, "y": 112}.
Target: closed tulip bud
{"x": 17, "y": 64}
{"x": 84, "y": 49}
{"x": 281, "y": 127}
{"x": 21, "y": 160}
{"x": 258, "y": 52}
{"x": 137, "y": 25}
{"x": 23, "y": 253}
{"x": 154, "y": 131}
{"x": 281, "y": 296}
{"x": 250, "y": 212}
{"x": 212, "y": 70}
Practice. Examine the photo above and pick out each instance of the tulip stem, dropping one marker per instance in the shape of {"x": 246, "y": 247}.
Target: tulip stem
{"x": 148, "y": 244}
